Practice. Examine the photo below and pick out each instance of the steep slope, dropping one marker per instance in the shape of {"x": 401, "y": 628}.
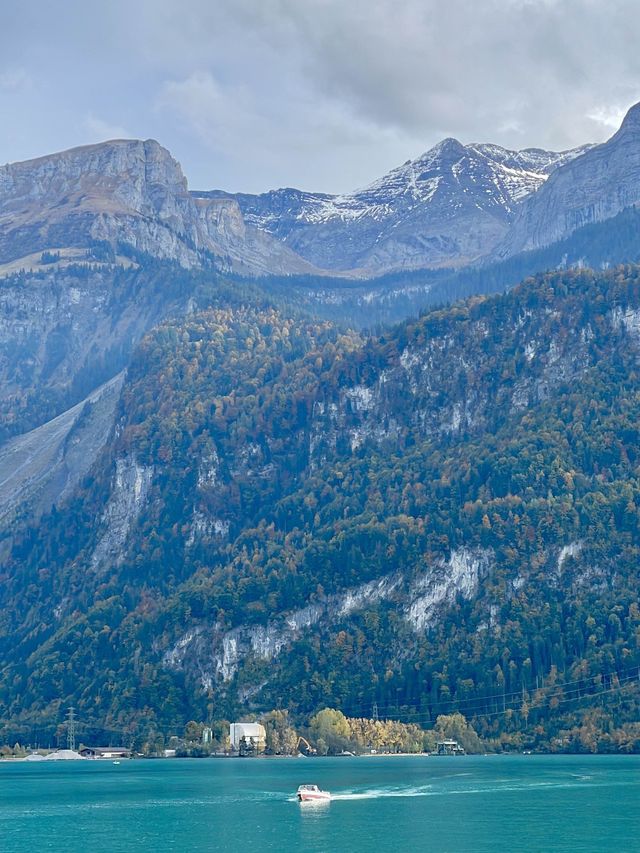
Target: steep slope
{"x": 591, "y": 188}
{"x": 446, "y": 208}
{"x": 97, "y": 245}
{"x": 127, "y": 193}
{"x": 443, "y": 517}
{"x": 67, "y": 332}
{"x": 44, "y": 465}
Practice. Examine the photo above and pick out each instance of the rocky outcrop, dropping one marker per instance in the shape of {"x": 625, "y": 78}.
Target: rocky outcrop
{"x": 130, "y": 487}
{"x": 407, "y": 394}
{"x": 459, "y": 575}
{"x": 591, "y": 188}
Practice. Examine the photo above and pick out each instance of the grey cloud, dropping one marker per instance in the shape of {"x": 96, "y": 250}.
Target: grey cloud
{"x": 326, "y": 94}
{"x": 471, "y": 68}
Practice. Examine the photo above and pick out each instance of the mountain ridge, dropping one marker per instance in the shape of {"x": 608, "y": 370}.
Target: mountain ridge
{"x": 130, "y": 192}
{"x": 447, "y": 207}
{"x": 454, "y": 206}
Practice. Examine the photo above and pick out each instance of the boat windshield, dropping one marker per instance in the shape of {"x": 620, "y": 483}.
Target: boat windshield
{"x": 308, "y": 788}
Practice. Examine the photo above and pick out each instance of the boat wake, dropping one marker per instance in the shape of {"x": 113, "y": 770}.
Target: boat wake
{"x": 433, "y": 790}
{"x": 378, "y": 793}
{"x": 374, "y": 794}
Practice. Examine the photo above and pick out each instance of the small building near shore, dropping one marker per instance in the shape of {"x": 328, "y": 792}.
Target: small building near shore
{"x": 449, "y": 747}
{"x": 247, "y": 738}
{"x": 105, "y": 752}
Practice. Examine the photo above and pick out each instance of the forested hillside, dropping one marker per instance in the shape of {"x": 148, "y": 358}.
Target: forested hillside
{"x": 441, "y": 518}
{"x": 398, "y": 296}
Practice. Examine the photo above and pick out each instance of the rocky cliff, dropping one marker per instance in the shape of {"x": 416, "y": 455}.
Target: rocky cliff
{"x": 127, "y": 193}
{"x": 591, "y": 188}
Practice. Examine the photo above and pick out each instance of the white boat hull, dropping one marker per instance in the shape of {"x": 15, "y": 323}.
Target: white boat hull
{"x": 314, "y": 798}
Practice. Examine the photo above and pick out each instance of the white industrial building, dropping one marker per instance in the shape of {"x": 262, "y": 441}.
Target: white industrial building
{"x": 251, "y": 735}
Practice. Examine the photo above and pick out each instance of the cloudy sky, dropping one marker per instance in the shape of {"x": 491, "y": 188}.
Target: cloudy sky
{"x": 319, "y": 94}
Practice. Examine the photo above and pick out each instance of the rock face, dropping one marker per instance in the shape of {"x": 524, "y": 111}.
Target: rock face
{"x": 65, "y": 332}
{"x": 407, "y": 392}
{"x": 130, "y": 487}
{"x": 217, "y": 656}
{"x": 592, "y": 188}
{"x": 129, "y": 192}
{"x": 446, "y": 208}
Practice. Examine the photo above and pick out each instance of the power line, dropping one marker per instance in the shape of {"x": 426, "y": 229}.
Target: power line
{"x": 470, "y": 704}
{"x": 562, "y": 699}
{"x": 537, "y": 697}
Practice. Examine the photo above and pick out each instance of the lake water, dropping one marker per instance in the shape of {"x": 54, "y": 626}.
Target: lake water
{"x": 519, "y": 804}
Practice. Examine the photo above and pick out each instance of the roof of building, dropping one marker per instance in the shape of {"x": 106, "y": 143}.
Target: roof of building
{"x": 108, "y": 749}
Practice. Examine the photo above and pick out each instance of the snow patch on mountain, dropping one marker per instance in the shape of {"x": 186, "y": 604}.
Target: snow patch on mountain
{"x": 512, "y": 175}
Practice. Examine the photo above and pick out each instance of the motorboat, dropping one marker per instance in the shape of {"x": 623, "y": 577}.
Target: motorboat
{"x": 311, "y": 793}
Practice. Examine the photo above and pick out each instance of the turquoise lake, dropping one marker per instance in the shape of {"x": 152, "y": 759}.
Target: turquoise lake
{"x": 472, "y": 804}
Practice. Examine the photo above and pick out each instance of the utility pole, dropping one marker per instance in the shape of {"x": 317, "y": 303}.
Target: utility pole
{"x": 71, "y": 729}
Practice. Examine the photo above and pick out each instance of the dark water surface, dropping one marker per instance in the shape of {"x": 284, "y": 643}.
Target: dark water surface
{"x": 519, "y": 804}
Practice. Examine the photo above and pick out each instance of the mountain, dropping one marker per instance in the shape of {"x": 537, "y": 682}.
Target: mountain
{"x": 455, "y": 206}
{"x": 217, "y": 496}
{"x": 97, "y": 245}
{"x": 448, "y": 208}
{"x": 67, "y": 334}
{"x": 125, "y": 193}
{"x": 115, "y": 244}
{"x": 594, "y": 187}
{"x": 442, "y": 517}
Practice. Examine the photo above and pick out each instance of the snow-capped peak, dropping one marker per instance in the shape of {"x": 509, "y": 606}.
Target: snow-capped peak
{"x": 485, "y": 168}
{"x": 449, "y": 206}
